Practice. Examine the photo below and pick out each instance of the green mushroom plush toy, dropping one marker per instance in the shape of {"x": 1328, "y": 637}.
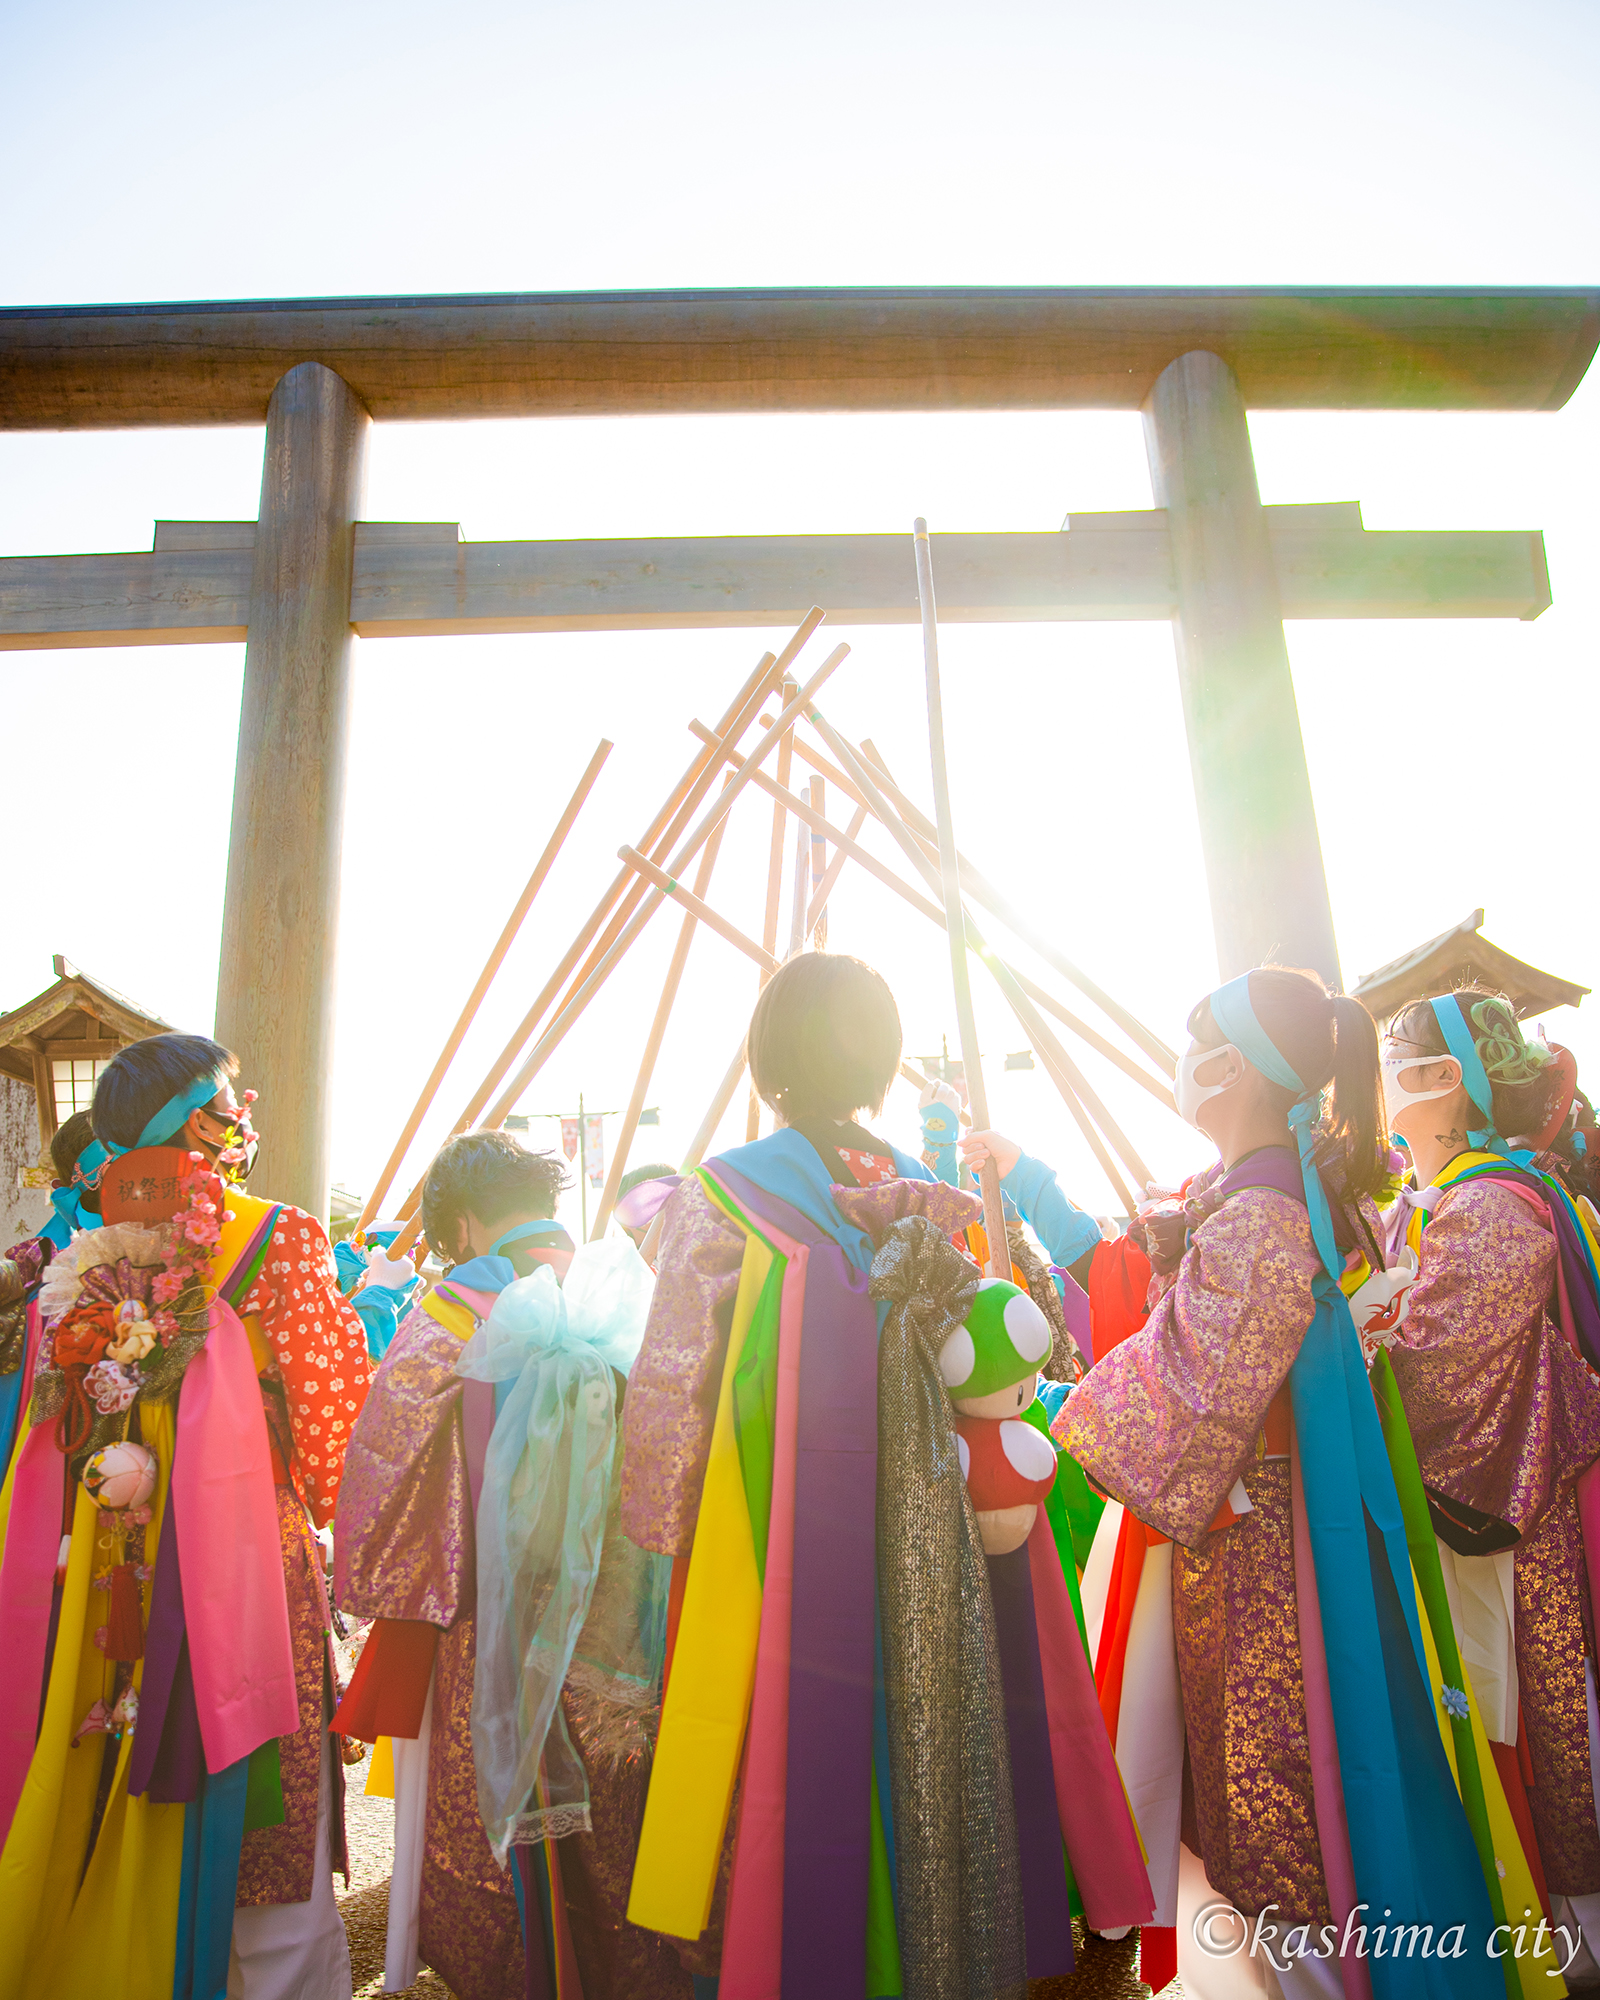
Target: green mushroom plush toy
{"x": 990, "y": 1365}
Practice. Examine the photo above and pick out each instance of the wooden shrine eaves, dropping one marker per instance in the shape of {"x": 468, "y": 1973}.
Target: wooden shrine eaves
{"x": 418, "y": 579}
{"x": 635, "y": 353}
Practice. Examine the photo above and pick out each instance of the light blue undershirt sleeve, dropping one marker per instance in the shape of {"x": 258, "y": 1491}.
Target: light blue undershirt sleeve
{"x": 1065, "y": 1231}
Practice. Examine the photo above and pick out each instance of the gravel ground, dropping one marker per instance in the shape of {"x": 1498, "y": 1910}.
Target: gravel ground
{"x": 1105, "y": 1971}
{"x": 369, "y": 1828}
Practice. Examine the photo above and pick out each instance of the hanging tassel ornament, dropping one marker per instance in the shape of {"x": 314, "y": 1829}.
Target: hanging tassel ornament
{"x": 125, "y": 1619}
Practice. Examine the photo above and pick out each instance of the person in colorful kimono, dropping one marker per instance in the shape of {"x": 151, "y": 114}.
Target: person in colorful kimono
{"x": 519, "y": 1912}
{"x": 1495, "y": 1352}
{"x": 1323, "y": 1718}
{"x": 168, "y": 1802}
{"x": 22, "y": 1270}
{"x": 870, "y": 1705}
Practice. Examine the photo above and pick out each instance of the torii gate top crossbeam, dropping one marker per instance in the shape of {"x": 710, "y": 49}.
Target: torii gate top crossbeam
{"x": 622, "y": 353}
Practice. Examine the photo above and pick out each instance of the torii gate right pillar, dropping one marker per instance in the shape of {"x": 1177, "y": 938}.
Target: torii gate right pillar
{"x": 1258, "y": 826}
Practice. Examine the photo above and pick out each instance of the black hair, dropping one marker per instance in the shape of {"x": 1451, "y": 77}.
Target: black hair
{"x": 68, "y": 1145}
{"x": 635, "y": 1175}
{"x": 1325, "y": 1038}
{"x": 1524, "y": 1081}
{"x": 146, "y": 1075}
{"x": 490, "y": 1175}
{"x": 825, "y": 1038}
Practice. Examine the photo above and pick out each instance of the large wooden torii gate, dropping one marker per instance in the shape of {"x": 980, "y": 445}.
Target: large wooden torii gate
{"x": 298, "y": 581}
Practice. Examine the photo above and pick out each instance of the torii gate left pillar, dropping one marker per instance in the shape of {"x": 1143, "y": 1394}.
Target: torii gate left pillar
{"x": 277, "y": 978}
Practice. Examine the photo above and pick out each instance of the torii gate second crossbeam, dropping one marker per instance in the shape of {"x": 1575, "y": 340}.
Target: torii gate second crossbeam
{"x": 297, "y": 583}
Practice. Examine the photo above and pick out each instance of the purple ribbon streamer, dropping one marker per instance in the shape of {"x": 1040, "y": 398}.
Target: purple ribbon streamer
{"x": 1047, "y": 1913}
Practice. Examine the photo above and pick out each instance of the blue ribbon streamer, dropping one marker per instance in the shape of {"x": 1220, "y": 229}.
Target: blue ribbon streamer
{"x": 1410, "y": 1842}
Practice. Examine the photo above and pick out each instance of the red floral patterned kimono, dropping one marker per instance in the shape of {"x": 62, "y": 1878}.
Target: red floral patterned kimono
{"x": 100, "y": 1880}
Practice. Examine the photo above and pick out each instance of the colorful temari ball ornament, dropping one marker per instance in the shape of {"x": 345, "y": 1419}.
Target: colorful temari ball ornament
{"x": 121, "y": 1476}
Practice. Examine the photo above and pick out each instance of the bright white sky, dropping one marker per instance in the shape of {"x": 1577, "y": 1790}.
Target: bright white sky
{"x": 180, "y": 151}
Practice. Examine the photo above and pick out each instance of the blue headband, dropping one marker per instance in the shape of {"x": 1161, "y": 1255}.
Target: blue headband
{"x": 170, "y": 1120}
{"x": 1234, "y": 1015}
{"x": 524, "y": 1230}
{"x": 1458, "y": 1039}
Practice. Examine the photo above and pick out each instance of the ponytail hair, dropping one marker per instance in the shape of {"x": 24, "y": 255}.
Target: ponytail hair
{"x": 1525, "y": 1079}
{"x": 1330, "y": 1039}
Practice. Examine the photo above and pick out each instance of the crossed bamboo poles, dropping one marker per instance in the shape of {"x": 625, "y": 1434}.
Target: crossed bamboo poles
{"x": 675, "y": 840}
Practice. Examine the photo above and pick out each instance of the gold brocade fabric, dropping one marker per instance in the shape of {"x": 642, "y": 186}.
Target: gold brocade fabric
{"x": 960, "y": 1894}
{"x": 1554, "y": 1629}
{"x": 468, "y": 1929}
{"x": 1237, "y": 1628}
{"x": 277, "y": 1863}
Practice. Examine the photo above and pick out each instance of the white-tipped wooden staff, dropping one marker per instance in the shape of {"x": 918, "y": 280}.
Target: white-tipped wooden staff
{"x": 994, "y": 1220}
{"x": 492, "y": 965}
{"x": 769, "y": 929}
{"x": 622, "y": 1144}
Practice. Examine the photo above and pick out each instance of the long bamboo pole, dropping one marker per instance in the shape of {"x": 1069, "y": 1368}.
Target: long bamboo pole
{"x": 988, "y": 897}
{"x": 1131, "y": 1069}
{"x": 769, "y": 928}
{"x": 819, "y": 899}
{"x": 983, "y": 892}
{"x": 848, "y": 849}
{"x": 491, "y": 966}
{"x": 994, "y": 1219}
{"x": 716, "y": 1111}
{"x": 623, "y": 1141}
{"x": 909, "y": 845}
{"x": 693, "y": 841}
{"x": 817, "y": 927}
{"x": 699, "y": 909}
{"x": 797, "y": 895}
{"x": 666, "y": 827}
{"x": 704, "y": 768}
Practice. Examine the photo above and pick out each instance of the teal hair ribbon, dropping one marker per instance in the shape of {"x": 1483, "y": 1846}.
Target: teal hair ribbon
{"x": 170, "y": 1120}
{"x": 1234, "y": 1015}
{"x": 1460, "y": 1041}
{"x": 523, "y": 1230}
{"x": 68, "y": 1218}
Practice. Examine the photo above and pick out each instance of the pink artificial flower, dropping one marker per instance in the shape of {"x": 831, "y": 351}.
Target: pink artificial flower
{"x": 166, "y": 1288}
{"x": 202, "y": 1228}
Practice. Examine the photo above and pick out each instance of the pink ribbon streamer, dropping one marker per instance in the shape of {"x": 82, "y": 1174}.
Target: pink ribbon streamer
{"x": 235, "y": 1605}
{"x": 752, "y": 1948}
{"x": 27, "y": 1577}
{"x": 1102, "y": 1842}
{"x": 1327, "y": 1787}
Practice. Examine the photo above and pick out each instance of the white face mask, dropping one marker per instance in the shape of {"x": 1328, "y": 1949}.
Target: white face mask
{"x": 1397, "y": 1098}
{"x": 1191, "y": 1095}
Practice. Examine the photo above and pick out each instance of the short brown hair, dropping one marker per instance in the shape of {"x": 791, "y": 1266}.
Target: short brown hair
{"x": 825, "y": 1038}
{"x": 488, "y": 1174}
